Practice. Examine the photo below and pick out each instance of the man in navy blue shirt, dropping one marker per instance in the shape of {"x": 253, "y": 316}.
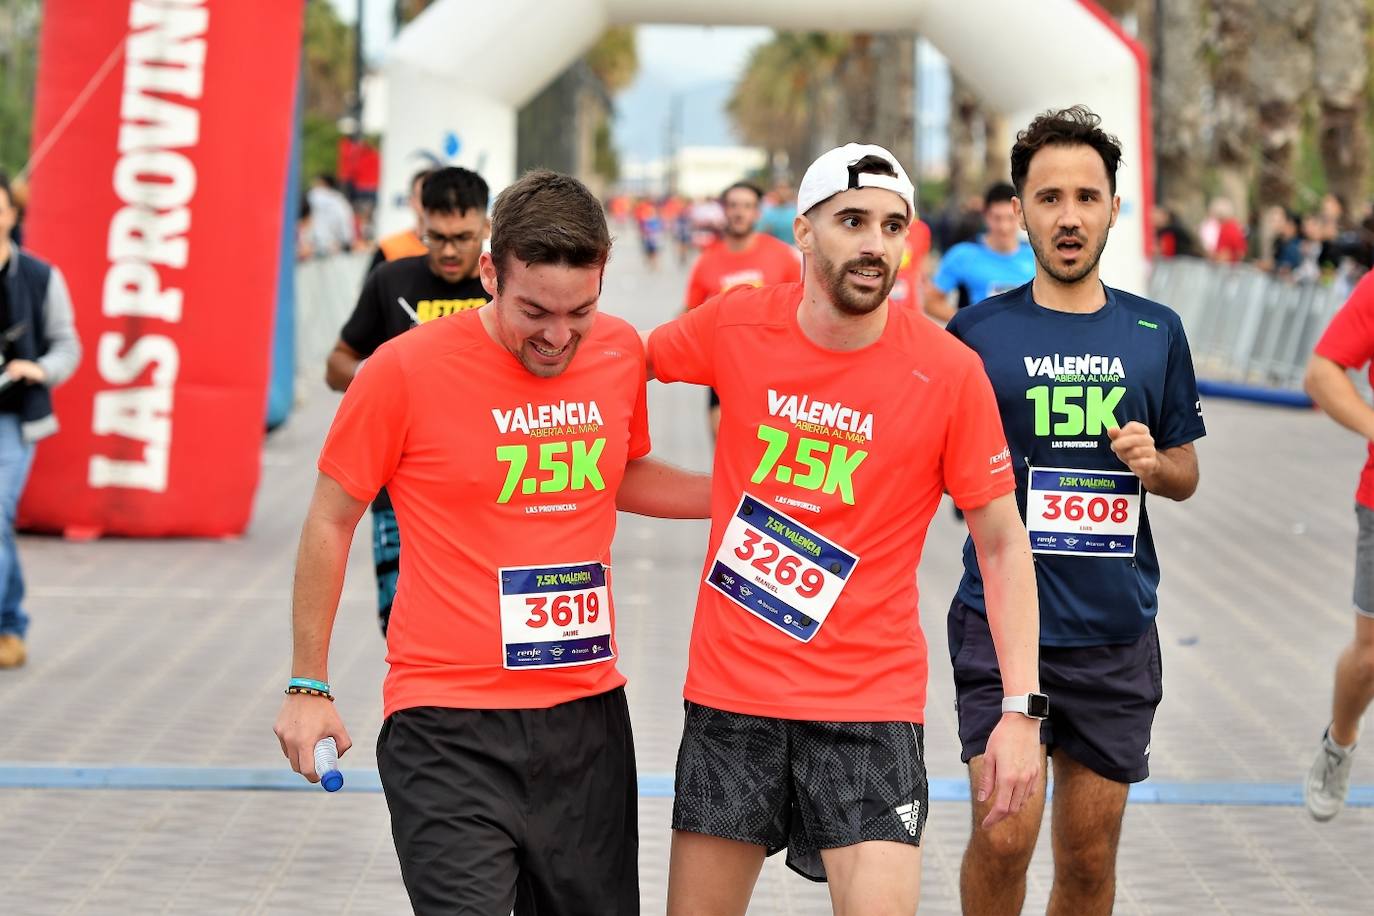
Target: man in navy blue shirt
{"x": 1100, "y": 408}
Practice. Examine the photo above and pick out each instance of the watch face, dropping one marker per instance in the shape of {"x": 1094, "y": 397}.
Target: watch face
{"x": 1037, "y": 705}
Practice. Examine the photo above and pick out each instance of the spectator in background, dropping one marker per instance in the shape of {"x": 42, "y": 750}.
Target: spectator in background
{"x": 1222, "y": 235}
{"x": 780, "y": 209}
{"x": 1314, "y": 254}
{"x": 1172, "y": 238}
{"x": 305, "y": 227}
{"x": 964, "y": 224}
{"x": 997, "y": 261}
{"x": 41, "y": 351}
{"x": 406, "y": 243}
{"x": 911, "y": 272}
{"x": 1331, "y": 215}
{"x": 1287, "y": 247}
{"x": 332, "y": 229}
{"x": 708, "y": 222}
{"x": 19, "y": 197}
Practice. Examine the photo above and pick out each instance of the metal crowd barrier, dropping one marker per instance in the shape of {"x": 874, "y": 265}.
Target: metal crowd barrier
{"x": 326, "y": 291}
{"x": 1251, "y": 332}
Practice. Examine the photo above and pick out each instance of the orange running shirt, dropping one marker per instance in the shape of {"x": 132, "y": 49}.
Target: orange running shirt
{"x": 765, "y": 262}
{"x": 491, "y": 468}
{"x": 911, "y": 272}
{"x": 843, "y": 457}
{"x": 402, "y": 245}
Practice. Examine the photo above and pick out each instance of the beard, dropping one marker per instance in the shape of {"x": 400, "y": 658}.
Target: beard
{"x": 1045, "y": 255}
{"x": 834, "y": 280}
{"x": 738, "y": 232}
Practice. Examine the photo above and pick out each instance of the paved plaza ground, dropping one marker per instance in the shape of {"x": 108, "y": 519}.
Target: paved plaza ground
{"x": 174, "y": 653}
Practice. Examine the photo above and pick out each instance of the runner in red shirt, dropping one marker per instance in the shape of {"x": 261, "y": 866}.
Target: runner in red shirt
{"x": 507, "y": 437}
{"x": 743, "y": 257}
{"x": 1348, "y": 344}
{"x": 843, "y": 422}
{"x": 912, "y": 271}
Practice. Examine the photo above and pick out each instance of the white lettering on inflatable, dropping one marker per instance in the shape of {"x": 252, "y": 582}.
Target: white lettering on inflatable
{"x": 164, "y": 57}
{"x": 140, "y": 413}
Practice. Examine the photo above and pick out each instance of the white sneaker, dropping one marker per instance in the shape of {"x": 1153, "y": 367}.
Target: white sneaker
{"x": 1328, "y": 782}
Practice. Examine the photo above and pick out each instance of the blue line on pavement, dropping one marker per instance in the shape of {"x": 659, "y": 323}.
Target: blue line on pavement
{"x": 651, "y": 785}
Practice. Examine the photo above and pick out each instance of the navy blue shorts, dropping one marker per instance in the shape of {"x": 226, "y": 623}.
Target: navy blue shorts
{"x": 1102, "y": 698}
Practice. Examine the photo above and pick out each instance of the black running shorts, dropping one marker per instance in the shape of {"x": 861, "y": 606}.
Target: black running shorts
{"x": 1102, "y": 698}
{"x": 530, "y": 809}
{"x": 802, "y": 785}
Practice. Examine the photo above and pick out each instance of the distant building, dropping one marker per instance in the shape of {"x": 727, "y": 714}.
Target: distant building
{"x": 695, "y": 171}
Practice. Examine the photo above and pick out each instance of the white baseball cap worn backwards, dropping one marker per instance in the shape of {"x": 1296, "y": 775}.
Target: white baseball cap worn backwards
{"x": 829, "y": 175}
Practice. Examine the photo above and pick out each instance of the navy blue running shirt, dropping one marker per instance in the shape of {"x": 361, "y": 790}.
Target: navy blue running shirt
{"x": 1061, "y": 380}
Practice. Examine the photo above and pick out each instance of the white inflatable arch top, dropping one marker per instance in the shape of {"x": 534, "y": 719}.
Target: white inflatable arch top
{"x": 458, "y": 74}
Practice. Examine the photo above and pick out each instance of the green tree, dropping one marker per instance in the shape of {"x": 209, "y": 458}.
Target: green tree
{"x": 785, "y": 101}
{"x": 18, "y": 75}
{"x": 327, "y": 72}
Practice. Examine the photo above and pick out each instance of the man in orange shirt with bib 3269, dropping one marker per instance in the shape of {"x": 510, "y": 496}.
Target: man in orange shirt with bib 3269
{"x": 843, "y": 422}
{"x": 506, "y": 754}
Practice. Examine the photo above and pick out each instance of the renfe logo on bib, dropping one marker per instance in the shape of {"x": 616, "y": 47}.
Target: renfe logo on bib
{"x": 778, "y": 569}
{"x": 1083, "y": 513}
{"x": 555, "y": 616}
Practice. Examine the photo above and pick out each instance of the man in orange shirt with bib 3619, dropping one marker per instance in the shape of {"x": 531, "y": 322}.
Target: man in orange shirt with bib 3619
{"x": 507, "y": 437}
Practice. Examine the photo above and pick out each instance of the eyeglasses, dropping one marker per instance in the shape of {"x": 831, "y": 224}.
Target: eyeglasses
{"x": 435, "y": 242}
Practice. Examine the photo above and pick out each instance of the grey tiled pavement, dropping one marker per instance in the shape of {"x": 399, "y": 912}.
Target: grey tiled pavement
{"x": 174, "y": 652}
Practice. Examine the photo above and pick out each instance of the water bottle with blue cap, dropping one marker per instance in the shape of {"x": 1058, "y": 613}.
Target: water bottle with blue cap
{"x": 327, "y": 764}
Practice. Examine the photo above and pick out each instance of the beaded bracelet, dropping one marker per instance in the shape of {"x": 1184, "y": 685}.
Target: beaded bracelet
{"x": 308, "y": 682}
{"x": 307, "y": 691}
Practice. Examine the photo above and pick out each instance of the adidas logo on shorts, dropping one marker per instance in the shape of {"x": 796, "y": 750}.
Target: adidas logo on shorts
{"x": 910, "y": 815}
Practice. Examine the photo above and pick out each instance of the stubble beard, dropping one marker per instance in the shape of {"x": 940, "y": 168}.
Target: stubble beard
{"x": 845, "y": 298}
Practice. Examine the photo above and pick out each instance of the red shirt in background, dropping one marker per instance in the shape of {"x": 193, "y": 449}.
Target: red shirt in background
{"x": 765, "y": 262}
{"x": 1349, "y": 342}
{"x": 910, "y": 275}
{"x": 1231, "y": 244}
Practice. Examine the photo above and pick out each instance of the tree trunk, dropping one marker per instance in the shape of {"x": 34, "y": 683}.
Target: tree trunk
{"x": 896, "y": 91}
{"x": 876, "y": 80}
{"x": 996, "y": 148}
{"x": 1342, "y": 67}
{"x": 1233, "y": 126}
{"x": 1181, "y": 74}
{"x": 965, "y": 168}
{"x": 1281, "y": 72}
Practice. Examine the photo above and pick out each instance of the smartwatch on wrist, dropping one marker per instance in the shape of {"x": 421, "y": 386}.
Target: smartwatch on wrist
{"x": 1030, "y": 705}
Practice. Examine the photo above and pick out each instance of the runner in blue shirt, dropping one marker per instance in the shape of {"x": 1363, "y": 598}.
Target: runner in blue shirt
{"x": 998, "y": 260}
{"x": 1100, "y": 407}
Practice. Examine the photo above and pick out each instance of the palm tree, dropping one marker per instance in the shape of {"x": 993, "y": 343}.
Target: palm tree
{"x": 785, "y": 101}
{"x": 1281, "y": 72}
{"x": 1233, "y": 117}
{"x": 1180, "y": 71}
{"x": 877, "y": 80}
{"x": 1340, "y": 33}
{"x": 965, "y": 123}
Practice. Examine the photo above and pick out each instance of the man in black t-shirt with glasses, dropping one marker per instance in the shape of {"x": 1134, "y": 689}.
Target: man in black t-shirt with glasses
{"x": 400, "y": 294}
